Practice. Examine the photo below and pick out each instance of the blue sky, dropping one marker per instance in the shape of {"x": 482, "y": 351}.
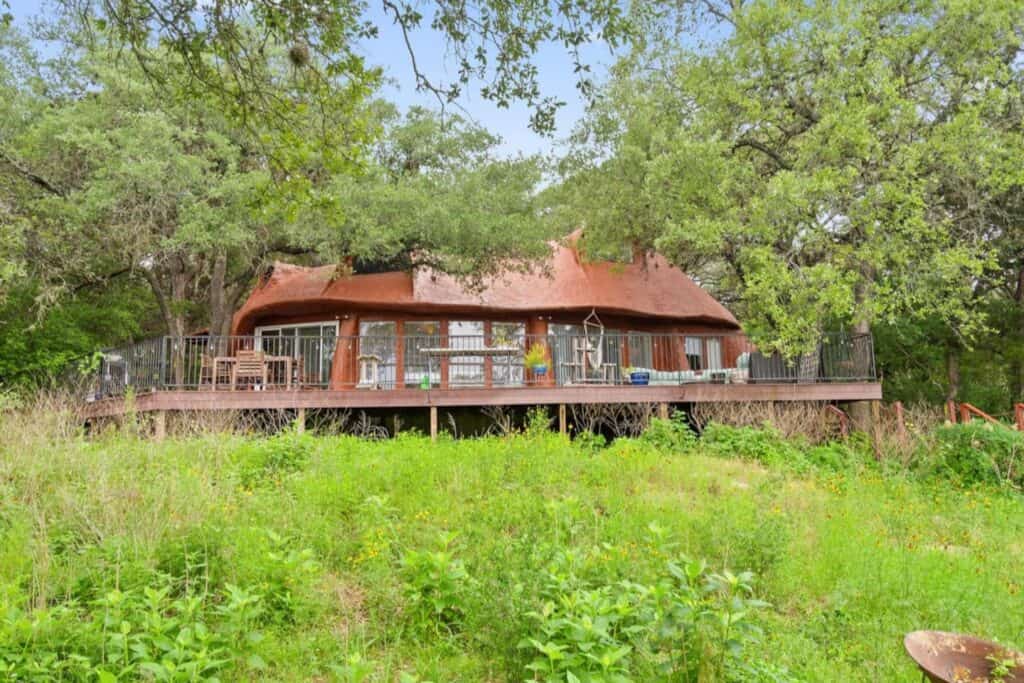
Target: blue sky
{"x": 388, "y": 51}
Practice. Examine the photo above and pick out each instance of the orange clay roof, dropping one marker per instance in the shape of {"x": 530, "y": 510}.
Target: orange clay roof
{"x": 648, "y": 287}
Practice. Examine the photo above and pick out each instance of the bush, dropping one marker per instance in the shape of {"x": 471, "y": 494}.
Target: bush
{"x": 672, "y": 435}
{"x": 434, "y": 583}
{"x": 145, "y": 634}
{"x": 687, "y": 623}
{"x": 765, "y": 445}
{"x": 980, "y": 453}
{"x": 269, "y": 459}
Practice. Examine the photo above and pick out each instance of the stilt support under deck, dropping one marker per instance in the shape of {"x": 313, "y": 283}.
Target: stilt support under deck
{"x": 562, "y": 427}
{"x": 663, "y": 411}
{"x": 300, "y": 420}
{"x": 433, "y": 423}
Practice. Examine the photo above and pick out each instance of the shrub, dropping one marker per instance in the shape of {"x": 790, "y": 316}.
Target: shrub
{"x": 434, "y": 582}
{"x": 673, "y": 435}
{"x": 687, "y": 624}
{"x": 980, "y": 453}
{"x": 538, "y": 422}
{"x": 144, "y": 634}
{"x": 765, "y": 445}
{"x": 589, "y": 442}
{"x": 268, "y": 459}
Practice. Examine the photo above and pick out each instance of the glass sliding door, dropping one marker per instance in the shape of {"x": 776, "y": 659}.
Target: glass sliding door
{"x": 311, "y": 345}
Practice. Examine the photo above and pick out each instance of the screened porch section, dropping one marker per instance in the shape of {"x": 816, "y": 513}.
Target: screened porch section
{"x": 425, "y": 355}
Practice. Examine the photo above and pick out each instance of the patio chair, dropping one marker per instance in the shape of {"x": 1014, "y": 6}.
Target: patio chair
{"x": 249, "y": 365}
{"x": 207, "y": 366}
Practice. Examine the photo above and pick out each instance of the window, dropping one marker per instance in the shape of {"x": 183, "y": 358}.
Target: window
{"x": 714, "y": 353}
{"x": 467, "y": 335}
{"x": 379, "y": 339}
{"x": 704, "y": 353}
{"x": 694, "y": 353}
{"x": 641, "y": 350}
{"x": 507, "y": 370}
{"x": 311, "y": 344}
{"x": 419, "y": 335}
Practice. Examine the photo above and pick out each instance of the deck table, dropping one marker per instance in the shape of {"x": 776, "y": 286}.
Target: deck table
{"x": 506, "y": 352}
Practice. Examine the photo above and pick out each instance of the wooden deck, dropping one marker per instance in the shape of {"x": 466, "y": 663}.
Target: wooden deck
{"x": 169, "y": 400}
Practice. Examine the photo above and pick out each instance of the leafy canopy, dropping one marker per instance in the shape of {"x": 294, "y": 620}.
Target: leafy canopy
{"x": 803, "y": 157}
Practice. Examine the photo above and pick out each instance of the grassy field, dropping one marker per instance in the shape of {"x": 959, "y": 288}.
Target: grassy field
{"x": 331, "y": 558}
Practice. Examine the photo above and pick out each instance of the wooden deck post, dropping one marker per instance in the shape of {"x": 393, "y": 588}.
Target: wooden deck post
{"x": 433, "y": 423}
{"x": 663, "y": 411}
{"x": 300, "y": 420}
{"x": 562, "y": 427}
{"x": 1018, "y": 416}
{"x": 159, "y": 425}
{"x": 901, "y": 425}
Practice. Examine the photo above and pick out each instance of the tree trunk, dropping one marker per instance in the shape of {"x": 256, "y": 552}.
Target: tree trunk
{"x": 1016, "y": 364}
{"x": 860, "y": 412}
{"x": 952, "y": 372}
{"x": 172, "y": 308}
{"x": 221, "y": 304}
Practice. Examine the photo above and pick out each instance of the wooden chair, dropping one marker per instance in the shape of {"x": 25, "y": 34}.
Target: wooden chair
{"x": 250, "y": 365}
{"x": 208, "y": 366}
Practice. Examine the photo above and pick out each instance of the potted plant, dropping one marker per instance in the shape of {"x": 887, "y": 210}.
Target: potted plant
{"x": 638, "y": 376}
{"x": 536, "y": 358}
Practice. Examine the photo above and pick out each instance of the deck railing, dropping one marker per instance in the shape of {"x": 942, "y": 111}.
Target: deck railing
{"x": 379, "y": 362}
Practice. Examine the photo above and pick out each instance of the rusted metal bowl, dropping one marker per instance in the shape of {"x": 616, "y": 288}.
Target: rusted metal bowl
{"x": 956, "y": 658}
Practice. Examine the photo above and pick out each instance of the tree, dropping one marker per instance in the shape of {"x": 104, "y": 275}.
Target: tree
{"x": 173, "y": 194}
{"x": 806, "y": 152}
{"x": 224, "y": 46}
{"x": 435, "y": 194}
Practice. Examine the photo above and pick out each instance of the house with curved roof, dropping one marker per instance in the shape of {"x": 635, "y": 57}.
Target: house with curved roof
{"x": 572, "y": 331}
{"x": 594, "y": 318}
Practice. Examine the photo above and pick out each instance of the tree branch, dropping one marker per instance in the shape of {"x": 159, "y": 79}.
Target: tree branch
{"x": 764, "y": 149}
{"x": 34, "y": 178}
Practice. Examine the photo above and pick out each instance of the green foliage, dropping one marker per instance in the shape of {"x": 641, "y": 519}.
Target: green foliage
{"x": 689, "y": 624}
{"x": 536, "y": 355}
{"x": 538, "y": 422}
{"x": 236, "y": 52}
{"x": 672, "y": 435}
{"x": 765, "y": 445}
{"x": 340, "y": 559}
{"x": 145, "y": 634}
{"x": 273, "y": 458}
{"x": 36, "y": 348}
{"x": 434, "y": 584}
{"x": 589, "y": 442}
{"x": 979, "y": 453}
{"x": 810, "y": 157}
